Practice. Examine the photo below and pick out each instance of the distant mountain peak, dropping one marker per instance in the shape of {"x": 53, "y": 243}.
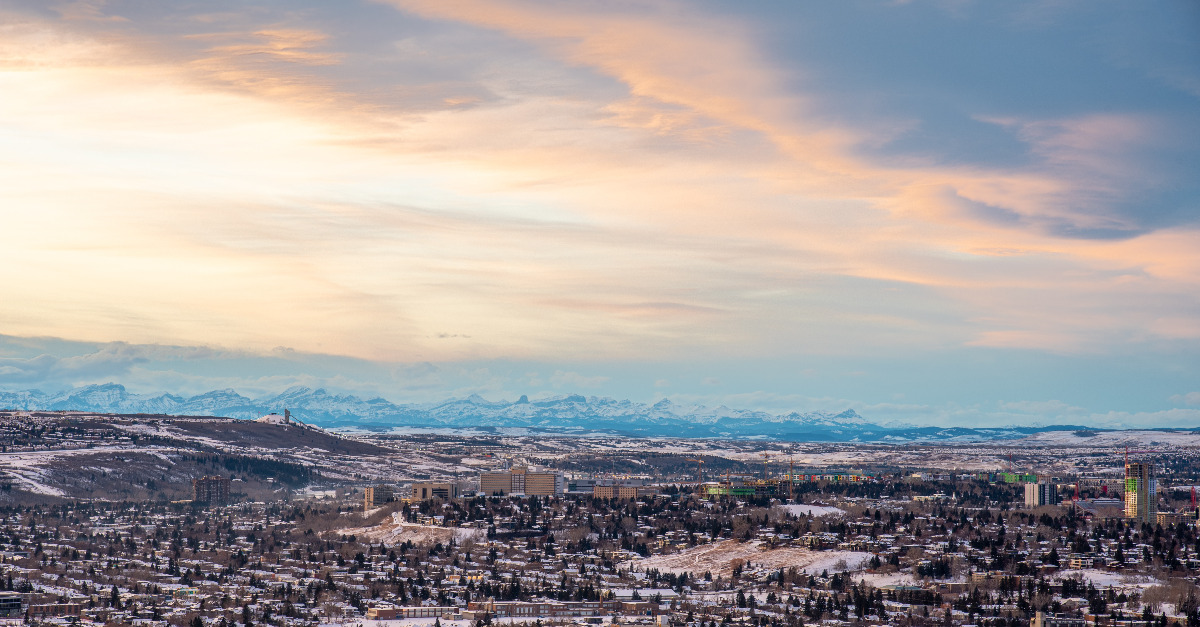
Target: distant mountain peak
{"x": 102, "y": 386}
{"x": 571, "y": 412}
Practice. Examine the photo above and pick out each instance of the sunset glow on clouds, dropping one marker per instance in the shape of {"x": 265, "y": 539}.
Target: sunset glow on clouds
{"x": 930, "y": 211}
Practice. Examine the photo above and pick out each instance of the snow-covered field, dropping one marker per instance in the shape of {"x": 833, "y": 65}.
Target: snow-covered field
{"x": 1141, "y": 439}
{"x": 396, "y": 530}
{"x": 1105, "y": 578}
{"x": 720, "y": 558}
{"x": 813, "y": 510}
{"x": 429, "y": 622}
{"x": 167, "y": 431}
{"x": 30, "y": 471}
{"x": 891, "y": 579}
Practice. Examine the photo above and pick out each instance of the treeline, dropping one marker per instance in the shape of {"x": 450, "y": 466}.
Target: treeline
{"x": 288, "y": 473}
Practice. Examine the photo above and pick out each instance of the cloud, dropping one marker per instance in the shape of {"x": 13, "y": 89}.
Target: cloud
{"x": 686, "y": 71}
{"x": 573, "y": 380}
{"x": 672, "y": 59}
{"x": 88, "y": 10}
{"x": 291, "y": 45}
{"x": 1191, "y": 398}
{"x": 1167, "y": 418}
{"x": 1043, "y": 408}
{"x": 649, "y": 181}
{"x": 108, "y": 362}
{"x": 269, "y": 63}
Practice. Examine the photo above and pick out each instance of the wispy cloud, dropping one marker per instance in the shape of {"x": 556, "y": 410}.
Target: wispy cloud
{"x": 464, "y": 181}
{"x": 1191, "y": 398}
{"x": 108, "y": 362}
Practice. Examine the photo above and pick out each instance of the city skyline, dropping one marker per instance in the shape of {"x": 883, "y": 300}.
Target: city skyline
{"x": 948, "y": 213}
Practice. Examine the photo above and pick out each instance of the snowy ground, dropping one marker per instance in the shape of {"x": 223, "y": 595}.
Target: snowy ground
{"x": 168, "y": 431}
{"x": 720, "y": 558}
{"x": 1140, "y": 439}
{"x": 396, "y": 530}
{"x": 429, "y": 622}
{"x": 316, "y": 493}
{"x": 29, "y": 470}
{"x": 891, "y": 579}
{"x": 1107, "y": 578}
{"x": 813, "y": 510}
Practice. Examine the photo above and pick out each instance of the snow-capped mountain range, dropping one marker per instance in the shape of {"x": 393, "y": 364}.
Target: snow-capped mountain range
{"x": 562, "y": 414}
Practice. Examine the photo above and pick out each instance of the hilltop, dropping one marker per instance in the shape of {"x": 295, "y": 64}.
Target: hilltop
{"x": 138, "y": 457}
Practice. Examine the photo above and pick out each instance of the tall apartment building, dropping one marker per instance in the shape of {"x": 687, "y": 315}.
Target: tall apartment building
{"x": 376, "y": 496}
{"x": 211, "y": 489}
{"x": 1141, "y": 492}
{"x": 1040, "y": 493}
{"x": 520, "y": 481}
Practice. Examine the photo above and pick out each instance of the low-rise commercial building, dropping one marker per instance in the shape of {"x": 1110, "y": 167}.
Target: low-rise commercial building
{"x": 560, "y": 609}
{"x": 615, "y": 491}
{"x": 55, "y": 609}
{"x": 443, "y": 491}
{"x": 11, "y": 605}
{"x": 420, "y": 611}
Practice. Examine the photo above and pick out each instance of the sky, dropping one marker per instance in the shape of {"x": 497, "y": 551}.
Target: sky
{"x": 932, "y": 212}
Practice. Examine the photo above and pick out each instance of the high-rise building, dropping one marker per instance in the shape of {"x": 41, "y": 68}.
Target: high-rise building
{"x": 1141, "y": 492}
{"x": 520, "y": 481}
{"x": 1040, "y": 493}
{"x": 212, "y": 489}
{"x": 376, "y": 496}
{"x": 495, "y": 483}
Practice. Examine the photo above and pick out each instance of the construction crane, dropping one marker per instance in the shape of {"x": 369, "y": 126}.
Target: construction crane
{"x": 1127, "y": 452}
{"x": 699, "y": 472}
{"x": 766, "y": 458}
{"x": 1104, "y": 489}
{"x": 791, "y": 475}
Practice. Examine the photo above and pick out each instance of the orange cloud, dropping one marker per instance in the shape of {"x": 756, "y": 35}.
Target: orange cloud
{"x": 245, "y": 198}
